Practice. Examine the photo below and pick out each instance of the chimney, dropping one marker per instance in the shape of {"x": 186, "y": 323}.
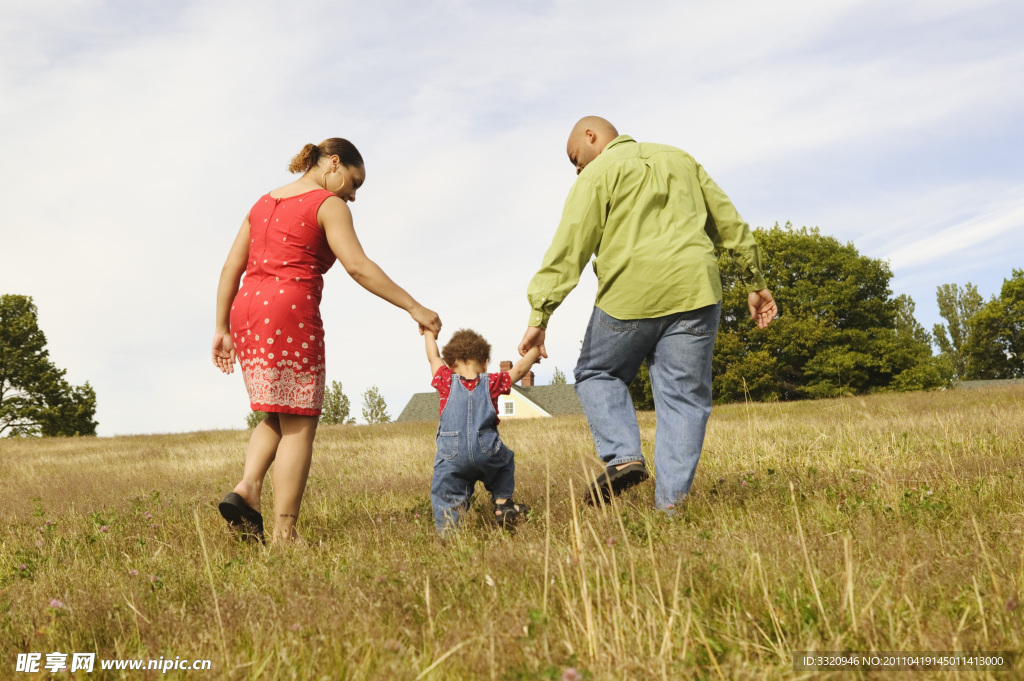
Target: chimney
{"x": 506, "y": 366}
{"x": 527, "y": 380}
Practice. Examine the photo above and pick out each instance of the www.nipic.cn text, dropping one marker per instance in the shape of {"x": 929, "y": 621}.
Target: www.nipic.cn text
{"x": 32, "y": 663}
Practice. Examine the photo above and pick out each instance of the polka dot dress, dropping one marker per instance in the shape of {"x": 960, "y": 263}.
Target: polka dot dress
{"x": 275, "y": 316}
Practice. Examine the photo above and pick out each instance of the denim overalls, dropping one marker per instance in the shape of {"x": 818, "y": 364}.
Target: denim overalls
{"x": 468, "y": 449}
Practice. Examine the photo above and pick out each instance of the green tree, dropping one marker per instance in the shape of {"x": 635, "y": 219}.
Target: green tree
{"x": 995, "y": 344}
{"x": 840, "y": 331}
{"x": 957, "y": 306}
{"x": 640, "y": 389}
{"x": 906, "y": 323}
{"x": 558, "y": 378}
{"x": 35, "y": 399}
{"x": 926, "y": 370}
{"x": 254, "y": 418}
{"x": 336, "y": 406}
{"x": 375, "y": 410}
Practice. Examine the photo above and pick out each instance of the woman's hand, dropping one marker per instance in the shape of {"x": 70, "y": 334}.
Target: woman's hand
{"x": 427, "y": 319}
{"x": 223, "y": 352}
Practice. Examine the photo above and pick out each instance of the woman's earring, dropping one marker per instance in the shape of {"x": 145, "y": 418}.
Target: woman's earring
{"x": 323, "y": 181}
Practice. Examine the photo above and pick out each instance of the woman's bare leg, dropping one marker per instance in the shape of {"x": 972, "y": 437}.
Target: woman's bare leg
{"x": 263, "y": 445}
{"x": 294, "y": 453}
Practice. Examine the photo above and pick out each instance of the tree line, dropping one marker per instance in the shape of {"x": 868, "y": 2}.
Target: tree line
{"x": 336, "y": 408}
{"x": 840, "y": 331}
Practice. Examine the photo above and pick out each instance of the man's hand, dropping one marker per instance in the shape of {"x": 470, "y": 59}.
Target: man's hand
{"x": 762, "y": 307}
{"x": 533, "y": 338}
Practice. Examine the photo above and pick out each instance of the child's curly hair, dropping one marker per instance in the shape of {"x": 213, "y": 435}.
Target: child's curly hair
{"x": 466, "y": 345}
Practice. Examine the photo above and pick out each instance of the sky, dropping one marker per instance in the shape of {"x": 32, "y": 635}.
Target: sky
{"x": 135, "y": 135}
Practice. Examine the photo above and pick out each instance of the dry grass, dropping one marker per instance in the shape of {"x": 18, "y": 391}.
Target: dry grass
{"x": 890, "y": 523}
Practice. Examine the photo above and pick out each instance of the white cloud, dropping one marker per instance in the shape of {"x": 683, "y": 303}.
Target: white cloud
{"x": 135, "y": 138}
{"x": 989, "y": 229}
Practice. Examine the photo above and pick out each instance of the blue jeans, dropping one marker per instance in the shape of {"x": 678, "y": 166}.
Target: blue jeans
{"x": 678, "y": 349}
{"x": 468, "y": 449}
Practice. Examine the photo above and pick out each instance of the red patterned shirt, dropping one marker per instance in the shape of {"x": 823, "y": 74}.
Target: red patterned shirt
{"x": 500, "y": 384}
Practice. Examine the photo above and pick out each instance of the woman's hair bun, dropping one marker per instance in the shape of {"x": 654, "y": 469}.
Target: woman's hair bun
{"x": 333, "y": 146}
{"x": 305, "y": 159}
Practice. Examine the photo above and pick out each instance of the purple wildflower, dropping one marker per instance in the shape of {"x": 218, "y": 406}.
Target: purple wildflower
{"x": 611, "y": 541}
{"x": 570, "y": 674}
{"x": 148, "y": 515}
{"x": 133, "y": 572}
{"x": 104, "y": 528}
{"x": 54, "y": 603}
{"x": 22, "y": 567}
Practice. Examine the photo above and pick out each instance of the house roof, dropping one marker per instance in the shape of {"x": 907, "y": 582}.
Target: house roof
{"x": 422, "y": 407}
{"x": 554, "y": 399}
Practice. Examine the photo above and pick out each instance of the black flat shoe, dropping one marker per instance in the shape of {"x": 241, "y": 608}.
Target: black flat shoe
{"x": 242, "y": 518}
{"x": 615, "y": 481}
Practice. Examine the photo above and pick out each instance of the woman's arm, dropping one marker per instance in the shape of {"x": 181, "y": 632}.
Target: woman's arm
{"x": 234, "y": 267}
{"x": 336, "y": 219}
{"x": 433, "y": 356}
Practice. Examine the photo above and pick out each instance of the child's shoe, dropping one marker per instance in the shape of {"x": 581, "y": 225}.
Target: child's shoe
{"x": 508, "y": 513}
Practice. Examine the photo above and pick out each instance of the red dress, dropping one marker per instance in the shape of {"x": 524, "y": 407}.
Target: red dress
{"x": 275, "y": 316}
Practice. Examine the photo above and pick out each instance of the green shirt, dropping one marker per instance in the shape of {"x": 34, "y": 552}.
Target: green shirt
{"x": 653, "y": 218}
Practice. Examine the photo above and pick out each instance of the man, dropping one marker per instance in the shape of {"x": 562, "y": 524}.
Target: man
{"x": 653, "y": 218}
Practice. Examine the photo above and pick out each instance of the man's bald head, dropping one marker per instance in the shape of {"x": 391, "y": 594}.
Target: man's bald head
{"x": 588, "y": 138}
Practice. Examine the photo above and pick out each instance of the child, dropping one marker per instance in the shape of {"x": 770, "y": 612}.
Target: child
{"x": 468, "y": 446}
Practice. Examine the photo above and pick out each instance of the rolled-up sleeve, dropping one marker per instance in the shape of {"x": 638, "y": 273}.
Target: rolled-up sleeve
{"x": 729, "y": 231}
{"x": 575, "y": 241}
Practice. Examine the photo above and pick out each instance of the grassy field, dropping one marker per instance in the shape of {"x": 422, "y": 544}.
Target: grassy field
{"x": 888, "y": 523}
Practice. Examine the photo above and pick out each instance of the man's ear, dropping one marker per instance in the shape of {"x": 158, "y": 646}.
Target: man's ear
{"x": 591, "y": 136}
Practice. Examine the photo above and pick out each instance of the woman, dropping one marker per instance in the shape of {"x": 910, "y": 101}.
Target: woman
{"x": 272, "y": 325}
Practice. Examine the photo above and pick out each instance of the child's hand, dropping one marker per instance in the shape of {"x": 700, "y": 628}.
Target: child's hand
{"x": 522, "y": 367}
{"x": 533, "y": 338}
{"x": 427, "y": 319}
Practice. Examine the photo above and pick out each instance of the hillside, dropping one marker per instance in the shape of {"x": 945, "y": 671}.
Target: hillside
{"x": 887, "y": 523}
